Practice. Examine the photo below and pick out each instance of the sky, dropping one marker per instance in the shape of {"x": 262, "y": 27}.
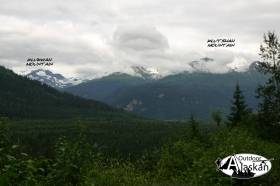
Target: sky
{"x": 93, "y": 37}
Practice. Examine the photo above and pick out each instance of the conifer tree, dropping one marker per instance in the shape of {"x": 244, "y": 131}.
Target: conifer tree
{"x": 269, "y": 93}
{"x": 194, "y": 127}
{"x": 239, "y": 108}
{"x": 217, "y": 117}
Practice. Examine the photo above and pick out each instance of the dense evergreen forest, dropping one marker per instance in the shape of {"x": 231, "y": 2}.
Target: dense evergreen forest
{"x": 54, "y": 138}
{"x": 21, "y": 97}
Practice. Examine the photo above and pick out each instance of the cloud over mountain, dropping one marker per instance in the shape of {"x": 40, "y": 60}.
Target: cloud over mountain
{"x": 97, "y": 37}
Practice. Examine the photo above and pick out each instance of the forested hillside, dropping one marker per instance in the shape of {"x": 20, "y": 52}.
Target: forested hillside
{"x": 24, "y": 98}
{"x": 175, "y": 96}
{"x": 103, "y": 89}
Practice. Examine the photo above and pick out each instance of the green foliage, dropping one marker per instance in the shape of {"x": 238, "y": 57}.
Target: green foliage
{"x": 189, "y": 160}
{"x": 117, "y": 173}
{"x": 194, "y": 125}
{"x": 115, "y": 138}
{"x": 192, "y": 163}
{"x": 71, "y": 161}
{"x": 217, "y": 117}
{"x": 178, "y": 159}
{"x": 239, "y": 108}
{"x": 16, "y": 168}
{"x": 269, "y": 94}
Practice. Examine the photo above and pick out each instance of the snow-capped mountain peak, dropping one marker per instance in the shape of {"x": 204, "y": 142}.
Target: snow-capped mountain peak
{"x": 53, "y": 79}
{"x": 146, "y": 73}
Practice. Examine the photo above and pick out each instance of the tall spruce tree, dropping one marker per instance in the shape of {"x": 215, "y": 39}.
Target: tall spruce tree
{"x": 269, "y": 93}
{"x": 194, "y": 127}
{"x": 239, "y": 108}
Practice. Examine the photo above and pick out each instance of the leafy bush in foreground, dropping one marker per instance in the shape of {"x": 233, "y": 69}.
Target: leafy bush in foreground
{"x": 188, "y": 161}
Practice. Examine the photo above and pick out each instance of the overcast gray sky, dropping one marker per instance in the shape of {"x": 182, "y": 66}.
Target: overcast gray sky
{"x": 92, "y": 37}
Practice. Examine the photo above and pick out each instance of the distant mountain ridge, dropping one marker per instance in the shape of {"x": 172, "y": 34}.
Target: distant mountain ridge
{"x": 202, "y": 65}
{"x": 99, "y": 89}
{"x": 172, "y": 97}
{"x": 59, "y": 81}
{"x": 148, "y": 93}
{"x": 21, "y": 97}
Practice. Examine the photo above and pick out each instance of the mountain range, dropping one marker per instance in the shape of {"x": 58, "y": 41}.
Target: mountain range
{"x": 176, "y": 96}
{"x": 59, "y": 81}
{"x": 172, "y": 97}
{"x": 202, "y": 65}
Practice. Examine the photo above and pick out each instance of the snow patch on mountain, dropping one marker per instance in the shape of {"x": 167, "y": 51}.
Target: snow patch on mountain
{"x": 210, "y": 65}
{"x": 146, "y": 73}
{"x": 52, "y": 79}
{"x": 205, "y": 64}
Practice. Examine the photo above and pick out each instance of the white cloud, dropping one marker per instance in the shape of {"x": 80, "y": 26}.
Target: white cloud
{"x": 139, "y": 38}
{"x": 93, "y": 37}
